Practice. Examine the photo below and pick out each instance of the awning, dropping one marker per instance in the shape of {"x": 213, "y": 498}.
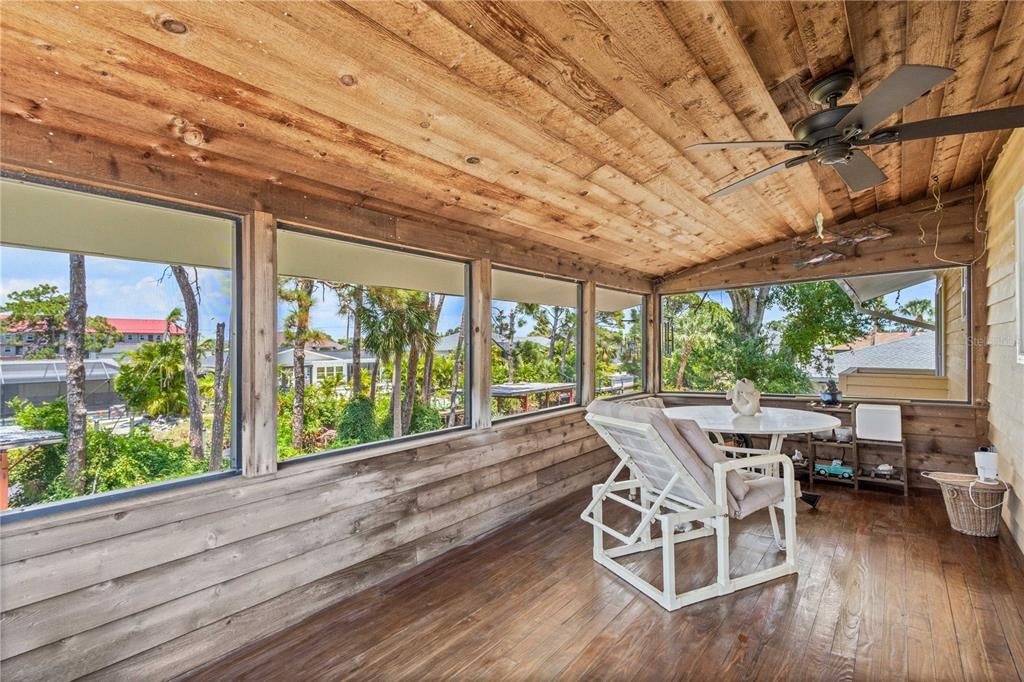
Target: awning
{"x": 867, "y": 287}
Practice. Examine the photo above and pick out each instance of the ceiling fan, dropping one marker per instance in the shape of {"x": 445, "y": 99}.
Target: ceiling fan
{"x": 834, "y": 135}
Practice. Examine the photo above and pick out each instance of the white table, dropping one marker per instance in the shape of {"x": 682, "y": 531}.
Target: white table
{"x": 777, "y": 422}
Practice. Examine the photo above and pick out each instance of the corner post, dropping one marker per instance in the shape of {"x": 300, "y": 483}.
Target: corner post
{"x": 652, "y": 342}
{"x": 258, "y": 325}
{"x": 588, "y": 343}
{"x": 479, "y": 398}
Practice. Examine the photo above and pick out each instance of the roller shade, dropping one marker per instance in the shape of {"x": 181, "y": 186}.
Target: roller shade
{"x": 54, "y": 219}
{"x": 612, "y": 301}
{"x": 334, "y": 260}
{"x": 517, "y": 287}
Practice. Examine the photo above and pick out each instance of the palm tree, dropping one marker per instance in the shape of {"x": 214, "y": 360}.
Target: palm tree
{"x": 919, "y": 309}
{"x": 173, "y": 319}
{"x": 151, "y": 378}
{"x": 392, "y": 320}
{"x": 298, "y": 291}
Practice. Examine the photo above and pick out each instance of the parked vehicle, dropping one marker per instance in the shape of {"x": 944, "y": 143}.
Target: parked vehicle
{"x": 834, "y": 470}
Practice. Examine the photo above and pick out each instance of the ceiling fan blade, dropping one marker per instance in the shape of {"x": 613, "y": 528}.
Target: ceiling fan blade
{"x": 898, "y": 89}
{"x": 860, "y": 172}
{"x": 750, "y": 179}
{"x": 977, "y": 122}
{"x": 744, "y": 144}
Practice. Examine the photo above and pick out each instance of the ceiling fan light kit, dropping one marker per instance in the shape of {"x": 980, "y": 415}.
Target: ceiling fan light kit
{"x": 833, "y": 136}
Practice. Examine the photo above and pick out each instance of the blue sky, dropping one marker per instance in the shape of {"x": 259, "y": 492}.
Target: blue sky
{"x": 116, "y": 287}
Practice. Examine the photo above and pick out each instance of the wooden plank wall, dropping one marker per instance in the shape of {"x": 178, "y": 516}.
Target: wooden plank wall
{"x": 1006, "y": 374}
{"x": 940, "y": 436}
{"x": 148, "y": 590}
{"x": 957, "y": 335}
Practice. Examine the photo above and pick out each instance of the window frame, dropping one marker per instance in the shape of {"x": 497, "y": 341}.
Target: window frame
{"x": 236, "y": 379}
{"x": 968, "y": 321}
{"x": 366, "y": 448}
{"x": 578, "y": 402}
{"x": 1018, "y": 211}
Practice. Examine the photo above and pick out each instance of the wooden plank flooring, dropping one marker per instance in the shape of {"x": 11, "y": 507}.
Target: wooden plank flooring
{"x": 886, "y": 591}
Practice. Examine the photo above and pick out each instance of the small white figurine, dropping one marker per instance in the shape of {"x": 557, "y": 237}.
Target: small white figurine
{"x": 746, "y": 399}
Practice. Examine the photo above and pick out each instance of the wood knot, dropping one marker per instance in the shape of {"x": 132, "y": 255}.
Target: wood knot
{"x": 348, "y": 80}
{"x": 188, "y": 132}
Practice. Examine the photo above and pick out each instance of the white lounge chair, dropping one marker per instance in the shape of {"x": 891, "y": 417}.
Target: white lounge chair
{"x": 684, "y": 479}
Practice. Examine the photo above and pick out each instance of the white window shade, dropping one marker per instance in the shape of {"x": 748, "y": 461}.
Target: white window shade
{"x": 300, "y": 254}
{"x": 518, "y": 287}
{"x": 613, "y": 301}
{"x": 39, "y": 217}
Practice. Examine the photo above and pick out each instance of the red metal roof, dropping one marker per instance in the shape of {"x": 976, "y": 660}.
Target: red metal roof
{"x": 128, "y": 325}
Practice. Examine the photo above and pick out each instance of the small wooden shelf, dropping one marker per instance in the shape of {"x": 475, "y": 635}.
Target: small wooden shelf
{"x": 831, "y": 443}
{"x": 851, "y": 455}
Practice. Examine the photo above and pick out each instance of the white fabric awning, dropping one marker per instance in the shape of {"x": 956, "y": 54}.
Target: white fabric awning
{"x": 868, "y": 287}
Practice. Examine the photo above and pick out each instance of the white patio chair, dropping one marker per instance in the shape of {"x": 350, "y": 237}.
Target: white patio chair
{"x": 684, "y": 479}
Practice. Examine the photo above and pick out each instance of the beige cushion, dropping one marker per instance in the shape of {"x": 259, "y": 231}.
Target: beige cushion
{"x": 764, "y": 492}
{"x": 699, "y": 468}
{"x": 709, "y": 454}
{"x": 647, "y": 401}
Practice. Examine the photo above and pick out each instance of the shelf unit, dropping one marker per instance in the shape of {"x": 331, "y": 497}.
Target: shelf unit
{"x": 850, "y": 453}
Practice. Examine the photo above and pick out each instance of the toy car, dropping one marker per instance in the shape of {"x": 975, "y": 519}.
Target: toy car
{"x": 833, "y": 470}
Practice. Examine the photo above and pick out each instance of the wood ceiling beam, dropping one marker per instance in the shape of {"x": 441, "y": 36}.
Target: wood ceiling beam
{"x": 911, "y": 246}
{"x": 39, "y": 150}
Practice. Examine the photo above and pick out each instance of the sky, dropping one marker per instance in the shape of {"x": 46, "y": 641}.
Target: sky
{"x": 116, "y": 287}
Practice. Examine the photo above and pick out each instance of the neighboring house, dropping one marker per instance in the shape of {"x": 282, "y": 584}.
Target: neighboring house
{"x": 321, "y": 365}
{"x": 41, "y": 381}
{"x": 133, "y": 331}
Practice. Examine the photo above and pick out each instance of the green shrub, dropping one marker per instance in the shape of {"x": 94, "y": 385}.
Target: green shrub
{"x": 358, "y": 423}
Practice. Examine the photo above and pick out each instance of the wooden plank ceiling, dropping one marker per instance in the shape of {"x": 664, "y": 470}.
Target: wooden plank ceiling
{"x": 562, "y": 123}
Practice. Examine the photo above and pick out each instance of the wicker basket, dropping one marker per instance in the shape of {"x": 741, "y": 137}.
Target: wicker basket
{"x": 973, "y": 507}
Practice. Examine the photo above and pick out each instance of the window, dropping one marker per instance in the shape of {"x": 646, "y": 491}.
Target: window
{"x": 120, "y": 414}
{"x": 897, "y": 335}
{"x": 534, "y": 364}
{"x": 373, "y": 341}
{"x": 619, "y": 342}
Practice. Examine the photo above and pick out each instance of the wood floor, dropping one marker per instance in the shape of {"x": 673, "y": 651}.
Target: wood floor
{"x": 886, "y": 591}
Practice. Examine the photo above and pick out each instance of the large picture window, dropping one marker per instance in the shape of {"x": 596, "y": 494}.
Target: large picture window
{"x": 371, "y": 343}
{"x": 534, "y": 363}
{"x": 116, "y": 343}
{"x": 898, "y": 335}
{"x": 619, "y": 342}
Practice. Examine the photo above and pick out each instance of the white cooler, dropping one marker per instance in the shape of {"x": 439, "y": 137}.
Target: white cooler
{"x": 879, "y": 422}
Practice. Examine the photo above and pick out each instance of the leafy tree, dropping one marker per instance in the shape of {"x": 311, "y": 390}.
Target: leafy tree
{"x": 358, "y": 422}
{"x": 818, "y": 317}
{"x": 41, "y": 311}
{"x": 919, "y": 309}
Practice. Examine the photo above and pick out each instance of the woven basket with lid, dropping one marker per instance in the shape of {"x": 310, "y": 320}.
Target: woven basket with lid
{"x": 973, "y": 507}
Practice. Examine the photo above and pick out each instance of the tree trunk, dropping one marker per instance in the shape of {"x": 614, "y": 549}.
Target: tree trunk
{"x": 299, "y": 364}
{"x": 510, "y": 341}
{"x": 220, "y": 401}
{"x": 456, "y": 367}
{"x": 195, "y": 405}
{"x": 428, "y": 354}
{"x": 748, "y": 308}
{"x": 396, "y": 396}
{"x": 684, "y": 359}
{"x": 565, "y": 353}
{"x": 74, "y": 355}
{"x": 553, "y": 336}
{"x": 374, "y": 378}
{"x": 357, "y": 343}
{"x": 409, "y": 397}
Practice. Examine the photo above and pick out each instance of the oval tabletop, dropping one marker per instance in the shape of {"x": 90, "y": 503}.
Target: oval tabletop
{"x": 771, "y": 420}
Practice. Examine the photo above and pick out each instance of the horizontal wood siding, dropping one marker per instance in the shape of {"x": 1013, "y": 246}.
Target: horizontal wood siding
{"x": 940, "y": 437}
{"x": 147, "y": 589}
{"x": 1005, "y": 374}
{"x": 895, "y": 385}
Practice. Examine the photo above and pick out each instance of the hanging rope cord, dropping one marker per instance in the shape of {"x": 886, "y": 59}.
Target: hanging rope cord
{"x": 937, "y": 195}
{"x": 970, "y": 494}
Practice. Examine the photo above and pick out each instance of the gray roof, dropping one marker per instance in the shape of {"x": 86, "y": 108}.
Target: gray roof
{"x": 913, "y": 352}
{"x": 56, "y": 370}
